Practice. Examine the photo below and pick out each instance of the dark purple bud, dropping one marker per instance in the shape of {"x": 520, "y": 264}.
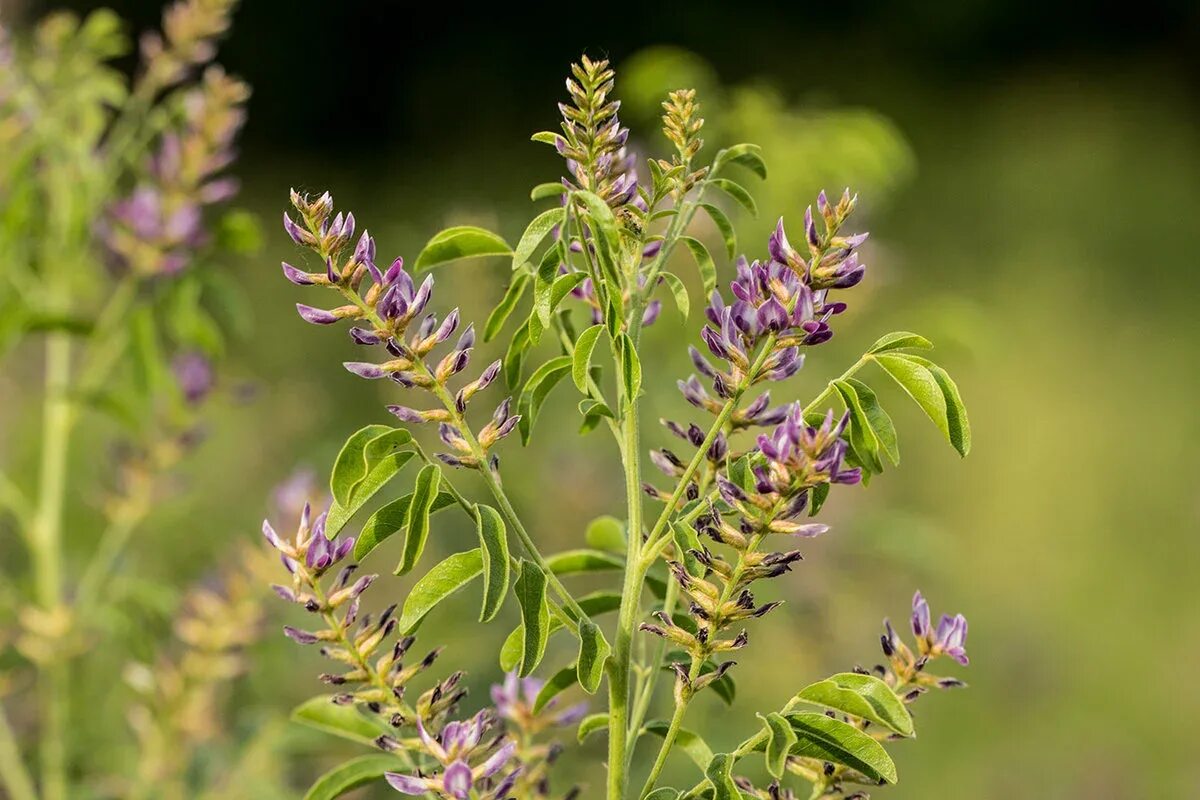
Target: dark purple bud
{"x": 299, "y": 636}
{"x": 296, "y": 276}
{"x": 364, "y": 336}
{"x": 330, "y": 272}
{"x": 810, "y": 230}
{"x": 448, "y": 326}
{"x": 293, "y": 230}
{"x": 407, "y": 414}
{"x": 365, "y": 369}
{"x": 316, "y": 316}
{"x": 651, "y": 313}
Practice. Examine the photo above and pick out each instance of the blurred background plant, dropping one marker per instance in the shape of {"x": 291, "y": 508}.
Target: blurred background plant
{"x": 114, "y": 225}
{"x": 1030, "y": 184}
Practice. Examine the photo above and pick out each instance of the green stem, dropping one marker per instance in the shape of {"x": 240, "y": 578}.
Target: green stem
{"x": 13, "y": 774}
{"x": 46, "y": 538}
{"x": 672, "y": 734}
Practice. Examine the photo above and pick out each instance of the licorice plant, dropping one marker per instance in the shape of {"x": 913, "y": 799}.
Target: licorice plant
{"x": 752, "y": 481}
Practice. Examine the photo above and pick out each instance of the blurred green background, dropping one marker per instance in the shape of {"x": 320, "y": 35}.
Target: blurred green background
{"x": 1031, "y": 179}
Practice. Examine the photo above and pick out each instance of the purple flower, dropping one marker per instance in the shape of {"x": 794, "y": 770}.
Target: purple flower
{"x": 949, "y": 638}
{"x": 515, "y": 698}
{"x": 455, "y": 748}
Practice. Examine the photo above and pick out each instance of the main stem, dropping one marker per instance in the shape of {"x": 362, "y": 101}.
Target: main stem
{"x": 54, "y": 678}
{"x": 631, "y": 590}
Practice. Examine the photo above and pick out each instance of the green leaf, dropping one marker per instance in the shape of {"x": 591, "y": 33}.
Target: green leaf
{"x": 463, "y": 241}
{"x": 608, "y": 238}
{"x": 351, "y": 775}
{"x": 593, "y": 605}
{"x": 724, "y": 226}
{"x": 535, "y": 233}
{"x": 606, "y": 533}
{"x": 738, "y": 193}
{"x": 544, "y": 191}
{"x": 863, "y": 441}
{"x": 537, "y": 388}
{"x": 382, "y": 467}
{"x": 956, "y": 412}
{"x": 899, "y": 340}
{"x": 514, "y": 357}
{"x": 417, "y": 523}
{"x": 593, "y": 651}
{"x": 571, "y": 562}
{"x": 878, "y": 419}
{"x": 631, "y": 367}
{"x": 559, "y": 682}
{"x": 582, "y": 360}
{"x": 828, "y": 739}
{"x": 344, "y": 721}
{"x": 687, "y": 741}
{"x": 663, "y": 793}
{"x": 708, "y": 270}
{"x": 547, "y": 137}
{"x": 862, "y": 696}
{"x": 748, "y": 155}
{"x": 779, "y": 745}
{"x": 493, "y": 541}
{"x": 436, "y": 585}
{"x": 819, "y": 496}
{"x": 678, "y": 291}
{"x": 590, "y": 724}
{"x": 389, "y": 519}
{"x": 545, "y": 303}
{"x": 501, "y": 313}
{"x": 685, "y": 539}
{"x": 530, "y": 589}
{"x": 719, "y": 773}
{"x": 351, "y": 465}
{"x": 593, "y": 411}
{"x": 932, "y": 389}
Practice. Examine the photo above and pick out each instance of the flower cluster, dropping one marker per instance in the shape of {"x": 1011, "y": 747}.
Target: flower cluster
{"x": 393, "y": 307}
{"x": 782, "y": 303}
{"x": 593, "y": 140}
{"x": 456, "y": 748}
{"x": 681, "y": 124}
{"x": 375, "y": 675}
{"x": 158, "y": 228}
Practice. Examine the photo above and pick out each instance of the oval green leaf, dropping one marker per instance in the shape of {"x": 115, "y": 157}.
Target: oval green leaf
{"x": 559, "y": 682}
{"x": 781, "y": 739}
{"x": 900, "y": 340}
{"x": 436, "y": 585}
{"x": 537, "y": 230}
{"x": 351, "y": 775}
{"x": 582, "y": 360}
{"x": 347, "y": 722}
{"x": 530, "y": 589}
{"x": 503, "y": 310}
{"x": 696, "y": 748}
{"x": 829, "y": 739}
{"x": 862, "y": 696}
{"x": 704, "y": 261}
{"x": 389, "y": 519}
{"x": 417, "y": 522}
{"x": 493, "y": 541}
{"x": 593, "y": 651}
{"x": 747, "y": 155}
{"x": 463, "y": 241}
